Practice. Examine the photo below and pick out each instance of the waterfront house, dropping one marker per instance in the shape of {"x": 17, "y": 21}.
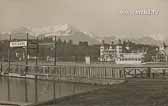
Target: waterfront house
{"x": 114, "y": 53}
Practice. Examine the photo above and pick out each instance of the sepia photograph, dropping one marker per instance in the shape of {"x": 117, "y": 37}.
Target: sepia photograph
{"x": 83, "y": 53}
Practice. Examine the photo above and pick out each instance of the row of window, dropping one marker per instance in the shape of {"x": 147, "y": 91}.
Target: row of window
{"x": 129, "y": 59}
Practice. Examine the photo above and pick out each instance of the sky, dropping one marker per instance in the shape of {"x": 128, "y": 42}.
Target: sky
{"x": 102, "y": 17}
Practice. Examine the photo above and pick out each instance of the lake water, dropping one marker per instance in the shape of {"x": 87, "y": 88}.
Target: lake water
{"x": 24, "y": 90}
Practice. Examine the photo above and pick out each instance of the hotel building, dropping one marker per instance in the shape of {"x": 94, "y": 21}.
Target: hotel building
{"x": 115, "y": 53}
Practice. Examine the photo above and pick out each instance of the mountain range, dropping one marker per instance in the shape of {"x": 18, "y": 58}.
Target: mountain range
{"x": 69, "y": 32}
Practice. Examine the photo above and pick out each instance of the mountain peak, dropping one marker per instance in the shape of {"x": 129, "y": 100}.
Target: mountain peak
{"x": 21, "y": 29}
{"x": 57, "y": 29}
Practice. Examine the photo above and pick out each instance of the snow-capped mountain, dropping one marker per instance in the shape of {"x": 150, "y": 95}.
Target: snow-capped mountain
{"x": 152, "y": 39}
{"x": 65, "y": 32}
{"x": 59, "y": 30}
{"x": 69, "y": 32}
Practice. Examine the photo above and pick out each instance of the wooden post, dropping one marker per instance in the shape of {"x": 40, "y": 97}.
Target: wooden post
{"x": 48, "y": 70}
{"x": 54, "y": 93}
{"x": 9, "y": 54}
{"x": 74, "y": 71}
{"x": 164, "y": 72}
{"x": 36, "y": 89}
{"x": 1, "y": 69}
{"x": 105, "y": 73}
{"x": 55, "y": 54}
{"x": 120, "y": 74}
{"x": 37, "y": 51}
{"x": 90, "y": 72}
{"x": 149, "y": 72}
{"x": 60, "y": 71}
{"x": 26, "y": 90}
{"x": 153, "y": 75}
{"x": 141, "y": 72}
{"x": 113, "y": 75}
{"x": 87, "y": 70}
{"x": 124, "y": 73}
{"x": 9, "y": 57}
{"x": 135, "y": 72}
{"x": 8, "y": 89}
{"x": 27, "y": 52}
{"x": 55, "y": 60}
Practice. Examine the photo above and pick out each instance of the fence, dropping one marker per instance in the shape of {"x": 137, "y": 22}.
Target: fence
{"x": 73, "y": 73}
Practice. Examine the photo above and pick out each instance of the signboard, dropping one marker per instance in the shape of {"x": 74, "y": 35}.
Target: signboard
{"x": 87, "y": 59}
{"x": 18, "y": 44}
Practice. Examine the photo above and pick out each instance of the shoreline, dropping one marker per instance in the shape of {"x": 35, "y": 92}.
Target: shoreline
{"x": 67, "y": 80}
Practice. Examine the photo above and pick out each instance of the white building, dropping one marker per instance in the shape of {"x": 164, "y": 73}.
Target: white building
{"x": 129, "y": 58}
{"x": 107, "y": 53}
{"x": 114, "y": 53}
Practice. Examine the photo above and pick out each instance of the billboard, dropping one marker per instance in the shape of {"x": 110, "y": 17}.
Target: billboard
{"x": 18, "y": 44}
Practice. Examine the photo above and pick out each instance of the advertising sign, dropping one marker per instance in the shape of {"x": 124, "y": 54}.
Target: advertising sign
{"x": 18, "y": 44}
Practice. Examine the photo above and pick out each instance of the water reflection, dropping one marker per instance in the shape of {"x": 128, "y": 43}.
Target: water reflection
{"x": 24, "y": 90}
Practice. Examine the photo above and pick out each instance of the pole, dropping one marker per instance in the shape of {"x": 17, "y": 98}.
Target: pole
{"x": 8, "y": 81}
{"x": 36, "y": 91}
{"x": 27, "y": 52}
{"x": 135, "y": 72}
{"x": 9, "y": 54}
{"x": 1, "y": 69}
{"x": 148, "y": 72}
{"x": 54, "y": 93}
{"x": 55, "y": 63}
{"x": 37, "y": 50}
{"x": 26, "y": 90}
{"x": 55, "y": 60}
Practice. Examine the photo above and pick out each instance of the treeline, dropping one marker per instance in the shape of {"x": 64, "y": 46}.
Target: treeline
{"x": 68, "y": 51}
{"x": 65, "y": 51}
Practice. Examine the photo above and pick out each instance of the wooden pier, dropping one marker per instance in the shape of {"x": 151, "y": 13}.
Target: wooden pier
{"x": 103, "y": 74}
{"x": 82, "y": 73}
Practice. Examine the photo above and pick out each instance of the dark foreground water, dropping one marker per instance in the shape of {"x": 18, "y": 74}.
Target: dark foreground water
{"x": 24, "y": 90}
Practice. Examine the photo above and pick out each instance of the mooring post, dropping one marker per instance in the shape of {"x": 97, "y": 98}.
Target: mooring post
{"x": 113, "y": 75}
{"x": 1, "y": 69}
{"x": 54, "y": 93}
{"x": 17, "y": 68}
{"x": 26, "y": 90}
{"x": 120, "y": 74}
{"x": 90, "y": 72}
{"x": 124, "y": 73}
{"x": 8, "y": 88}
{"x": 164, "y": 72}
{"x": 36, "y": 89}
{"x": 153, "y": 75}
{"x": 135, "y": 72}
{"x": 74, "y": 72}
{"x": 149, "y": 72}
{"x": 105, "y": 73}
{"x": 60, "y": 72}
{"x": 87, "y": 70}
